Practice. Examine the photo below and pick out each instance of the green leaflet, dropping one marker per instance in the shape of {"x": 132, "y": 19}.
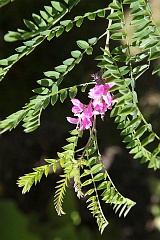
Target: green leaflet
{"x": 101, "y": 13}
{"x": 127, "y": 110}
{"x": 116, "y": 26}
{"x": 73, "y": 92}
{"x": 115, "y": 5}
{"x": 140, "y": 131}
{"x": 41, "y": 90}
{"x": 82, "y": 44}
{"x": 99, "y": 176}
{"x": 96, "y": 168}
{"x": 118, "y": 36}
{"x": 154, "y": 55}
{"x": 58, "y": 6}
{"x": 47, "y": 82}
{"x": 61, "y": 68}
{"x": 63, "y": 95}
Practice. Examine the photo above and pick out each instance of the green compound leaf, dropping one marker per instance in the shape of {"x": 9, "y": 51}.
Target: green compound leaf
{"x": 32, "y": 178}
{"x": 95, "y": 209}
{"x": 59, "y": 194}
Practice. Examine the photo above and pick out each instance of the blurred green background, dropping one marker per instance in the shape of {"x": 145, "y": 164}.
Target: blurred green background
{"x": 32, "y": 216}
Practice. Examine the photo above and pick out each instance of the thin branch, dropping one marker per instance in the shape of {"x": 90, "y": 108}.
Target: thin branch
{"x": 108, "y": 32}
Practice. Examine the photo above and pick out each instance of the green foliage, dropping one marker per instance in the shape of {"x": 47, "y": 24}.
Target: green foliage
{"x": 27, "y": 181}
{"x": 4, "y": 2}
{"x": 48, "y": 92}
{"x": 92, "y": 167}
{"x": 43, "y": 29}
{"x": 118, "y": 65}
{"x": 129, "y": 117}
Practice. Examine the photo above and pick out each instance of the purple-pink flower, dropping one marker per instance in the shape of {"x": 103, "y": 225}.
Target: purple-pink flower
{"x": 101, "y": 100}
{"x": 83, "y": 113}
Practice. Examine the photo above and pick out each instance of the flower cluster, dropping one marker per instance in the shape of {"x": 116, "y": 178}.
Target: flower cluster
{"x": 83, "y": 113}
{"x": 101, "y": 100}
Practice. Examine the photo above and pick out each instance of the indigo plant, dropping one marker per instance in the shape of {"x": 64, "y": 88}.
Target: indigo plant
{"x": 111, "y": 89}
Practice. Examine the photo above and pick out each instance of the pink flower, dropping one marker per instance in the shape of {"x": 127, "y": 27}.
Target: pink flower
{"x": 86, "y": 118}
{"x": 100, "y": 90}
{"x": 102, "y": 98}
{"x": 83, "y": 113}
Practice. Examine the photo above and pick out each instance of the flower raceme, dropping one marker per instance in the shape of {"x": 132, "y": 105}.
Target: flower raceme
{"x": 101, "y": 100}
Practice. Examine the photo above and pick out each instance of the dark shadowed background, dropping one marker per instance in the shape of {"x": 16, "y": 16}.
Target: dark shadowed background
{"x": 32, "y": 216}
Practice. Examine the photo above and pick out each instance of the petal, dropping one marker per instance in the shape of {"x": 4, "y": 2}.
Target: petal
{"x": 108, "y": 98}
{"x": 85, "y": 123}
{"x": 72, "y": 120}
{"x": 78, "y": 106}
{"x": 97, "y": 91}
{"x": 100, "y": 107}
{"x": 111, "y": 84}
{"x": 88, "y": 112}
{"x": 76, "y": 110}
{"x": 75, "y": 101}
